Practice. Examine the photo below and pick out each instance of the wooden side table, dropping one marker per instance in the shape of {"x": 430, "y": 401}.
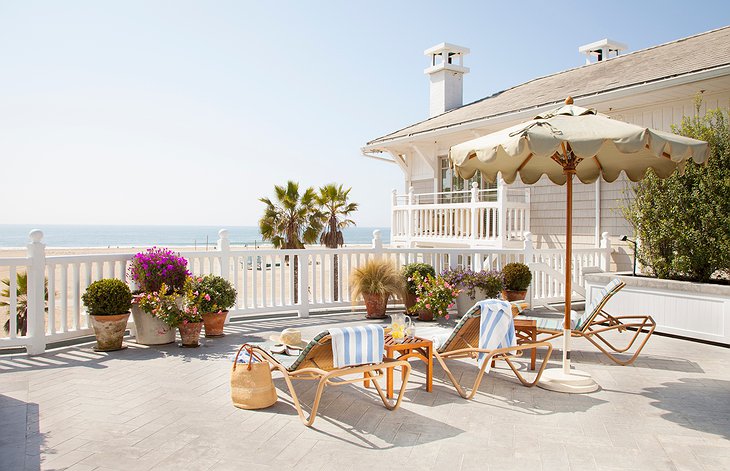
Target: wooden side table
{"x": 412, "y": 347}
{"x": 526, "y": 332}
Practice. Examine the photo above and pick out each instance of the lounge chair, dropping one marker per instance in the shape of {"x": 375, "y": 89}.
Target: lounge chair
{"x": 595, "y": 322}
{"x": 315, "y": 362}
{"x": 463, "y": 342}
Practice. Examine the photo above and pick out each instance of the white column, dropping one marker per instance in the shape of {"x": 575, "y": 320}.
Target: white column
{"x": 529, "y": 249}
{"x": 224, "y": 247}
{"x": 377, "y": 243}
{"x": 409, "y": 224}
{"x": 36, "y": 294}
{"x": 502, "y": 208}
{"x": 474, "y": 212}
{"x": 606, "y": 255}
{"x": 394, "y": 226}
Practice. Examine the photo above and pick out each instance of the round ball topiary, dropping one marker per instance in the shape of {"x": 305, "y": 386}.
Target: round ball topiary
{"x": 107, "y": 297}
{"x": 221, "y": 294}
{"x": 517, "y": 276}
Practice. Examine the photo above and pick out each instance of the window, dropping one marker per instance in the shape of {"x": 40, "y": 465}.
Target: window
{"x": 452, "y": 183}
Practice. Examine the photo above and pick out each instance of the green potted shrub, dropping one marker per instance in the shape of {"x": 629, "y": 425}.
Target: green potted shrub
{"x": 376, "y": 281}
{"x": 517, "y": 277}
{"x": 423, "y": 269}
{"x": 172, "y": 310}
{"x": 108, "y": 302}
{"x": 213, "y": 296}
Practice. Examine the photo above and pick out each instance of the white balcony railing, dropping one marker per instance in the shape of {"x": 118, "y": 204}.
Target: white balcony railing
{"x": 493, "y": 218}
{"x": 264, "y": 279}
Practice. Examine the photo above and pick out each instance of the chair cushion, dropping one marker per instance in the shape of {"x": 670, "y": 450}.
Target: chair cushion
{"x": 603, "y": 295}
{"x": 291, "y": 362}
{"x": 547, "y": 319}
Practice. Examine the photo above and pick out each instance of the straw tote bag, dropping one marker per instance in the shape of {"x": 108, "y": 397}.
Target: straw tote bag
{"x": 251, "y": 383}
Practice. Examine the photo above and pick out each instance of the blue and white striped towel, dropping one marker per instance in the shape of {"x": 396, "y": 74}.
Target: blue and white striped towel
{"x": 496, "y": 327}
{"x": 357, "y": 345}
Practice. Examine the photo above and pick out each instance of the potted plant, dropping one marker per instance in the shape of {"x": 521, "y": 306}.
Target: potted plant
{"x": 150, "y": 271}
{"x": 474, "y": 286}
{"x": 108, "y": 302}
{"x": 434, "y": 297}
{"x": 213, "y": 296}
{"x": 517, "y": 277}
{"x": 409, "y": 270}
{"x": 375, "y": 281}
{"x": 170, "y": 309}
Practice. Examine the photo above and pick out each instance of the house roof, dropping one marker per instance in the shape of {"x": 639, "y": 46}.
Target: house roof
{"x": 684, "y": 56}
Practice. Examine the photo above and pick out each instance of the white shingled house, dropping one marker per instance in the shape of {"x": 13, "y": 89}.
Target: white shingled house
{"x": 653, "y": 87}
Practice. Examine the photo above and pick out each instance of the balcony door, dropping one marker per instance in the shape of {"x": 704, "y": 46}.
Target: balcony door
{"x": 457, "y": 190}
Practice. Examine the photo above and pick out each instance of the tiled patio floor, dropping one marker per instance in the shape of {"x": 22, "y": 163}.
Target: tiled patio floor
{"x": 169, "y": 408}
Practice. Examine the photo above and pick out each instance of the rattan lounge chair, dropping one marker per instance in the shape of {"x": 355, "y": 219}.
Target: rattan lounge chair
{"x": 463, "y": 342}
{"x": 594, "y": 323}
{"x": 315, "y": 363}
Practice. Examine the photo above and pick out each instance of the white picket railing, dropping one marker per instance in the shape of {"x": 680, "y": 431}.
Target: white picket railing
{"x": 267, "y": 281}
{"x": 495, "y": 218}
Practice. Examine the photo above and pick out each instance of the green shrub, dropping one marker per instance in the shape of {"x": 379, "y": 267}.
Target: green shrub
{"x": 517, "y": 276}
{"x": 107, "y": 297}
{"x": 220, "y": 293}
{"x": 411, "y": 269}
{"x": 683, "y": 222}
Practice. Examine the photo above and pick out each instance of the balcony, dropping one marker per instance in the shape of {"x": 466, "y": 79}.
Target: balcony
{"x": 490, "y": 218}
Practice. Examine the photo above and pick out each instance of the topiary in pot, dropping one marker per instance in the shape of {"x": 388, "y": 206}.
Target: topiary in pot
{"x": 424, "y": 270}
{"x": 108, "y": 302}
{"x": 375, "y": 281}
{"x": 517, "y": 277}
{"x": 213, "y": 296}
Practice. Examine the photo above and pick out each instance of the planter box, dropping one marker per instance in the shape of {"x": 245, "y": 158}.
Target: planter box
{"x": 695, "y": 310}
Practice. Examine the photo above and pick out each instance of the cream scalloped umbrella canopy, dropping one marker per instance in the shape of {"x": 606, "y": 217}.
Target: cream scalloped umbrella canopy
{"x": 603, "y": 146}
{"x": 568, "y": 141}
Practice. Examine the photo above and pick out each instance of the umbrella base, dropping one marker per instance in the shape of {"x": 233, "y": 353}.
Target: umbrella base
{"x": 577, "y": 382}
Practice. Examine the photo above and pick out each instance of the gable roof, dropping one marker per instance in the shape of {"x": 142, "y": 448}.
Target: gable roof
{"x": 692, "y": 54}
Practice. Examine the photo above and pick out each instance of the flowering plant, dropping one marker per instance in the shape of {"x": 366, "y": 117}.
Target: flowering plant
{"x": 491, "y": 282}
{"x": 434, "y": 294}
{"x": 157, "y": 266}
{"x": 211, "y": 293}
{"x": 169, "y": 307}
{"x": 164, "y": 305}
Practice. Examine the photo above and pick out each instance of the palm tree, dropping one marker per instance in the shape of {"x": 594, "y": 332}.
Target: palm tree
{"x": 335, "y": 209}
{"x": 21, "y": 296}
{"x": 291, "y": 221}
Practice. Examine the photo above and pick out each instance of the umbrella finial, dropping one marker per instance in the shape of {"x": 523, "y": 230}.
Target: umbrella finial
{"x": 569, "y": 100}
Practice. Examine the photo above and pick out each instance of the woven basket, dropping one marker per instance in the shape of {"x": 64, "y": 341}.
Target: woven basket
{"x": 251, "y": 383}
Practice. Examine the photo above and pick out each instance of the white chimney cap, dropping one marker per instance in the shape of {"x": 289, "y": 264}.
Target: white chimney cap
{"x": 446, "y": 47}
{"x": 603, "y": 43}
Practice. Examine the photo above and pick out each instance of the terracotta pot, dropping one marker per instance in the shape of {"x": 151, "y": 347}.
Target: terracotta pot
{"x": 510, "y": 295}
{"x": 214, "y": 322}
{"x": 425, "y": 315}
{"x": 109, "y": 331}
{"x": 190, "y": 333}
{"x": 149, "y": 329}
{"x": 375, "y": 305}
{"x": 409, "y": 302}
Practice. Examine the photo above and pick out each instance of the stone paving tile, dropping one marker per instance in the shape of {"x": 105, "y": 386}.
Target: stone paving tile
{"x": 158, "y": 408}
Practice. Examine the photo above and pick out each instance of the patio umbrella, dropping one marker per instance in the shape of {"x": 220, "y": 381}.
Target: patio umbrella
{"x": 569, "y": 141}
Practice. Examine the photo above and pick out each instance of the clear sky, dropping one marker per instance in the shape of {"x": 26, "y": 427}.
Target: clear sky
{"x": 182, "y": 112}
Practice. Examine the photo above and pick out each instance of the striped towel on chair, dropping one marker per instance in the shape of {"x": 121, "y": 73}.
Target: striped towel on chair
{"x": 357, "y": 345}
{"x": 496, "y": 327}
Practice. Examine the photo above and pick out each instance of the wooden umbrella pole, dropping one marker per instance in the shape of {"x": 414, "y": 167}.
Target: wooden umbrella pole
{"x": 568, "y": 270}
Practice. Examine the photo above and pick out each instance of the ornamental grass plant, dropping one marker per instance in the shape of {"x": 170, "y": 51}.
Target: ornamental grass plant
{"x": 376, "y": 277}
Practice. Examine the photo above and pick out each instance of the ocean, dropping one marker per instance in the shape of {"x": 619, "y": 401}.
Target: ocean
{"x": 16, "y": 235}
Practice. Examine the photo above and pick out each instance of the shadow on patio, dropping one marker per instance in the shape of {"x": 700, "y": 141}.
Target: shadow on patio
{"x": 699, "y": 404}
